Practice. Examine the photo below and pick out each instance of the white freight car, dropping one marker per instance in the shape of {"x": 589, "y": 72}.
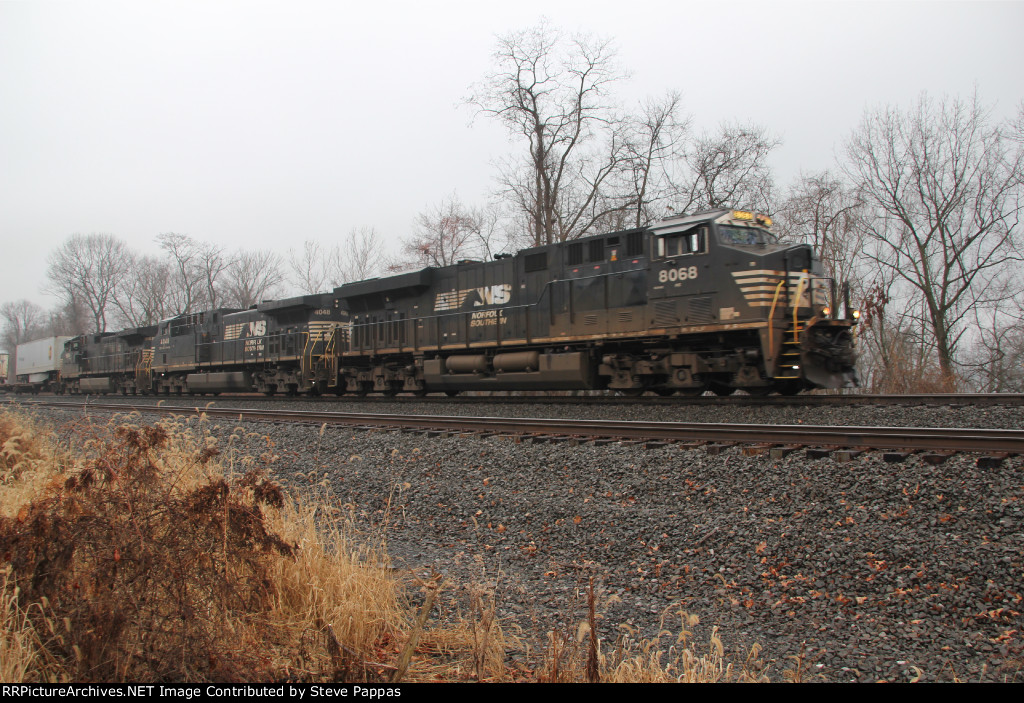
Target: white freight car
{"x": 37, "y": 363}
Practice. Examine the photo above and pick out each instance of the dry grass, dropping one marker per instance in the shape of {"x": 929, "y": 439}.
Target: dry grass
{"x": 29, "y": 460}
{"x": 147, "y": 553}
{"x": 162, "y": 553}
{"x": 668, "y": 658}
{"x": 19, "y": 652}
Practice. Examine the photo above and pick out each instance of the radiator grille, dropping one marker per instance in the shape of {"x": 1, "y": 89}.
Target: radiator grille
{"x": 700, "y": 310}
{"x": 665, "y": 314}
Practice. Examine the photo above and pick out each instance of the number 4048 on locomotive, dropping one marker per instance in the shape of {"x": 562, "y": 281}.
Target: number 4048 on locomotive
{"x": 709, "y": 301}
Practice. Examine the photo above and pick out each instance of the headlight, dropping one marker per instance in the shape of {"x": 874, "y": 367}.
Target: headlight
{"x": 856, "y": 314}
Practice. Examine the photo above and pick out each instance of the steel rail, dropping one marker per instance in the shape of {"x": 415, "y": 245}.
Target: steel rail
{"x": 934, "y": 399}
{"x": 907, "y": 438}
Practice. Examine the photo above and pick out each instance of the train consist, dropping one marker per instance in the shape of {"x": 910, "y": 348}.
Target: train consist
{"x": 710, "y": 301}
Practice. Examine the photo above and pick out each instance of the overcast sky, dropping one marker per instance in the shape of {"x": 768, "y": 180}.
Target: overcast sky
{"x": 262, "y": 124}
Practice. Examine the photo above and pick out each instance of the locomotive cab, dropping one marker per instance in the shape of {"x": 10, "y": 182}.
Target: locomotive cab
{"x": 725, "y": 275}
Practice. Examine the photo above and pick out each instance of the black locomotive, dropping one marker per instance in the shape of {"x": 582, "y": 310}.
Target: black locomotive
{"x": 704, "y": 301}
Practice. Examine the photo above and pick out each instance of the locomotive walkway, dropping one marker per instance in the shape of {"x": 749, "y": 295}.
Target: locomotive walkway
{"x": 775, "y": 438}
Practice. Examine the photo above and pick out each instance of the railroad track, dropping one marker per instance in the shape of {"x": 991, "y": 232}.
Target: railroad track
{"x": 782, "y": 438}
{"x": 740, "y": 399}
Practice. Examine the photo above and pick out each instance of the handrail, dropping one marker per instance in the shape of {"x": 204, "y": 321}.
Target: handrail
{"x": 771, "y": 316}
{"x": 796, "y": 305}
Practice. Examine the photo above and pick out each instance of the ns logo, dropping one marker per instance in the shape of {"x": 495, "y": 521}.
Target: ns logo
{"x": 257, "y": 328}
{"x": 498, "y": 294}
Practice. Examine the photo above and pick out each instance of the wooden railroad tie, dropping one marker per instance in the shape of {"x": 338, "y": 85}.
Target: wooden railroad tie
{"x": 992, "y": 461}
{"x": 847, "y": 454}
{"x": 820, "y": 452}
{"x": 783, "y": 451}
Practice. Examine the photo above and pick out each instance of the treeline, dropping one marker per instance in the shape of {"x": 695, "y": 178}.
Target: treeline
{"x": 920, "y": 214}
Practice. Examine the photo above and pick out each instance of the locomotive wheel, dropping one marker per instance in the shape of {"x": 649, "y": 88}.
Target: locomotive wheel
{"x": 788, "y": 388}
{"x": 451, "y": 394}
{"x": 758, "y": 391}
{"x": 692, "y": 391}
{"x": 664, "y": 392}
{"x": 632, "y": 392}
{"x": 721, "y": 389}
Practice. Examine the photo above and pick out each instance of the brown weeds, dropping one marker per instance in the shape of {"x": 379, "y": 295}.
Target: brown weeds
{"x": 162, "y": 553}
{"x": 632, "y": 660}
{"x": 155, "y": 578}
{"x": 156, "y": 564}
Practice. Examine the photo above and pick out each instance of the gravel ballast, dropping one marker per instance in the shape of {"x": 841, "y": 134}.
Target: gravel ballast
{"x": 866, "y": 570}
{"x": 960, "y": 415}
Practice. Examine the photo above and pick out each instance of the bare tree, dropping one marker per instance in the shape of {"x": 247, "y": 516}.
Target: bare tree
{"x": 994, "y": 362}
{"x": 318, "y": 268}
{"x": 70, "y": 318}
{"x": 360, "y": 257}
{"x": 23, "y": 321}
{"x": 943, "y": 188}
{"x": 88, "y": 268}
{"x": 1016, "y": 126}
{"x": 895, "y": 357}
{"x": 448, "y": 233}
{"x": 252, "y": 276}
{"x": 654, "y": 138}
{"x": 553, "y": 93}
{"x": 824, "y": 211}
{"x": 197, "y": 269}
{"x": 185, "y": 293}
{"x": 146, "y": 294}
{"x": 729, "y": 169}
{"x": 213, "y": 261}
{"x": 310, "y": 268}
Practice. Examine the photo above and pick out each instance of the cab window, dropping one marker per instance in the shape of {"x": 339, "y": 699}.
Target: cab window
{"x": 728, "y": 234}
{"x": 693, "y": 242}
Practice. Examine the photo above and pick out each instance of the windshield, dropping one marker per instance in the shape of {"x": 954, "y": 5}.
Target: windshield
{"x": 729, "y": 234}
